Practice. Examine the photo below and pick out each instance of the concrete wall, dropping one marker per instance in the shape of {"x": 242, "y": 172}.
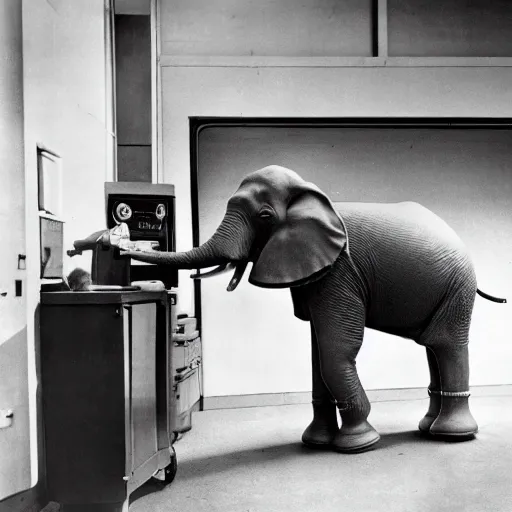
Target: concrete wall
{"x": 14, "y": 445}
{"x": 227, "y": 59}
{"x": 458, "y": 28}
{"x": 266, "y": 27}
{"x": 305, "y": 92}
{"x": 67, "y": 109}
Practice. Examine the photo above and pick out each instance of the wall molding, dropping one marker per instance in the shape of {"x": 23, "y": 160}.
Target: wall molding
{"x": 331, "y": 62}
{"x": 304, "y": 397}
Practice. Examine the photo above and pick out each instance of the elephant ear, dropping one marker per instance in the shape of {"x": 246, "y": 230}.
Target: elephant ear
{"x": 304, "y": 245}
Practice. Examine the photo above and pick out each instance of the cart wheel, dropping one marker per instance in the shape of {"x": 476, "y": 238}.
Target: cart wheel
{"x": 166, "y": 475}
{"x": 171, "y": 469}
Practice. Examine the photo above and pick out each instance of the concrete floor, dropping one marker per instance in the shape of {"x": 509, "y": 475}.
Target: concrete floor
{"x": 251, "y": 460}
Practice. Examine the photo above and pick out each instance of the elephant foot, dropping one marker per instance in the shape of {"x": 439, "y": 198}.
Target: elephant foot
{"x": 455, "y": 419}
{"x": 321, "y": 432}
{"x": 355, "y": 438}
{"x": 434, "y": 409}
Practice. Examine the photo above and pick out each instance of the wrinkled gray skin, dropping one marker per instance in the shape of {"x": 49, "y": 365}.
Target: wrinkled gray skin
{"x": 396, "y": 268}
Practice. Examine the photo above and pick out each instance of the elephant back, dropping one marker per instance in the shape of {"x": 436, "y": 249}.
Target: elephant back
{"x": 408, "y": 258}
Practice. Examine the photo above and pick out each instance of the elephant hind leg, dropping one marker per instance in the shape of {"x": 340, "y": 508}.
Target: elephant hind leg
{"x": 434, "y": 389}
{"x": 454, "y": 418}
{"x": 446, "y": 340}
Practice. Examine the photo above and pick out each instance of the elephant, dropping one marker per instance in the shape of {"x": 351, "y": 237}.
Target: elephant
{"x": 393, "y": 267}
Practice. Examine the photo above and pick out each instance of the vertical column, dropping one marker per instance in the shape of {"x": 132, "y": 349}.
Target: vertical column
{"x": 380, "y": 28}
{"x": 110, "y": 114}
{"x": 383, "y": 28}
{"x": 155, "y": 92}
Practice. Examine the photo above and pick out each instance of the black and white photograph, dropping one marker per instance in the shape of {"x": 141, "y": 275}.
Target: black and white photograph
{"x": 255, "y": 256}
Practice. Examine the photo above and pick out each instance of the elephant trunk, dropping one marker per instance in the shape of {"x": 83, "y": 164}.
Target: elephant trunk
{"x": 230, "y": 243}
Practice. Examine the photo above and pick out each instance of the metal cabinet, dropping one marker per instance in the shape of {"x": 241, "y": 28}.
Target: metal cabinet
{"x": 106, "y": 389}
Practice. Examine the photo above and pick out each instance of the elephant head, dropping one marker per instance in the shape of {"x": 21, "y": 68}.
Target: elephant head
{"x": 286, "y": 226}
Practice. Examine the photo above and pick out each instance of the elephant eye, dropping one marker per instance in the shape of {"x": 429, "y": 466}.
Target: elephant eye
{"x": 265, "y": 215}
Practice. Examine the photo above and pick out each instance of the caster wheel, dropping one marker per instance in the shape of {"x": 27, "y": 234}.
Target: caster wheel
{"x": 171, "y": 469}
{"x": 167, "y": 474}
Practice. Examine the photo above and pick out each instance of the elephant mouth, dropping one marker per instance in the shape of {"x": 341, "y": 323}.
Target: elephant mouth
{"x": 239, "y": 269}
{"x": 237, "y": 265}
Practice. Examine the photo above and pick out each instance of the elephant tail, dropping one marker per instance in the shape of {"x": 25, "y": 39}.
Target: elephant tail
{"x": 490, "y": 297}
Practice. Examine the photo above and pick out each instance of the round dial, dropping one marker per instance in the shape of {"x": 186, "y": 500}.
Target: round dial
{"x": 160, "y": 211}
{"x": 123, "y": 212}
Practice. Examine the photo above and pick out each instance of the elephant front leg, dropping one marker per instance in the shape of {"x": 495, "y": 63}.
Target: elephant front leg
{"x": 356, "y": 434}
{"x": 339, "y": 342}
{"x": 321, "y": 432}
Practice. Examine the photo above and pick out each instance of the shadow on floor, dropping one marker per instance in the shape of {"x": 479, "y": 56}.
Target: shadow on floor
{"x": 150, "y": 487}
{"x": 415, "y": 436}
{"x": 193, "y": 469}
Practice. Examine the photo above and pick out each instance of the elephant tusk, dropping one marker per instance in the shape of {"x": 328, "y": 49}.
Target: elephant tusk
{"x": 221, "y": 269}
{"x": 237, "y": 276}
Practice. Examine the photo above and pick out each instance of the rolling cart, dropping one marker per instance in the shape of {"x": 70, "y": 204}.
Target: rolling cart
{"x": 106, "y": 388}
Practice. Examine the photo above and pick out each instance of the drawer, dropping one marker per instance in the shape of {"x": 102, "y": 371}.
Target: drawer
{"x": 185, "y": 355}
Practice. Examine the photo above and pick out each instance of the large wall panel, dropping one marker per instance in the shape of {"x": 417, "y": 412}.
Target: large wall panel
{"x": 465, "y": 176}
{"x": 315, "y": 92}
{"x": 454, "y": 28}
{"x": 266, "y": 27}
